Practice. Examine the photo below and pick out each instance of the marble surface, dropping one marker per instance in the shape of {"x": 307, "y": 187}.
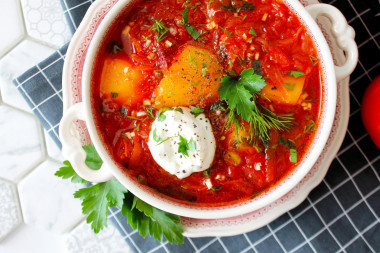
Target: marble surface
{"x": 37, "y": 210}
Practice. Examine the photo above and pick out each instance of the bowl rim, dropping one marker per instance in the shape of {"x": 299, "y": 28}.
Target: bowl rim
{"x": 280, "y": 188}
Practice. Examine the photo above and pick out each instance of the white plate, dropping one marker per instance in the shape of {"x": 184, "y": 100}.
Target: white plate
{"x": 72, "y": 76}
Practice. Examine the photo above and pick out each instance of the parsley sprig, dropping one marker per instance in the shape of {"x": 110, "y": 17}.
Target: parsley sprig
{"x": 241, "y": 94}
{"x": 97, "y": 198}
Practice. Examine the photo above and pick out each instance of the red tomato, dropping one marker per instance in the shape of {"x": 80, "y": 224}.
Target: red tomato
{"x": 371, "y": 110}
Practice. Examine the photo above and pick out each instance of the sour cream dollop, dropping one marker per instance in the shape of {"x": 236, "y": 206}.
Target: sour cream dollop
{"x": 164, "y": 139}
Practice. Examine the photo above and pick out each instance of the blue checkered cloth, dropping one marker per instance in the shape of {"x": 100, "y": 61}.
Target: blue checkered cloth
{"x": 340, "y": 215}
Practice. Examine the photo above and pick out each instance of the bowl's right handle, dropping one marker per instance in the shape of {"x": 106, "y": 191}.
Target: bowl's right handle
{"x": 343, "y": 34}
{"x": 72, "y": 147}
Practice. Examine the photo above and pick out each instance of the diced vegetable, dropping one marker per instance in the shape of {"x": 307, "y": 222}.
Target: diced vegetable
{"x": 184, "y": 84}
{"x": 286, "y": 93}
{"x": 119, "y": 77}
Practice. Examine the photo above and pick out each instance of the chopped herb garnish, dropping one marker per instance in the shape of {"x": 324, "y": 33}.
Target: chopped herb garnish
{"x": 230, "y": 34}
{"x": 240, "y": 94}
{"x": 149, "y": 111}
{"x": 184, "y": 146}
{"x": 292, "y": 147}
{"x": 137, "y": 128}
{"x": 314, "y": 60}
{"x": 293, "y": 155}
{"x": 131, "y": 117}
{"x": 160, "y": 29}
{"x": 146, "y": 37}
{"x": 252, "y": 32}
{"x": 246, "y": 6}
{"x": 162, "y": 117}
{"x": 189, "y": 28}
{"x": 194, "y": 83}
{"x": 289, "y": 86}
{"x": 193, "y": 61}
{"x": 114, "y": 94}
{"x": 207, "y": 173}
{"x": 204, "y": 69}
{"x": 156, "y": 138}
{"x": 244, "y": 17}
{"x": 309, "y": 127}
{"x": 158, "y": 73}
{"x": 296, "y": 73}
{"x": 196, "y": 111}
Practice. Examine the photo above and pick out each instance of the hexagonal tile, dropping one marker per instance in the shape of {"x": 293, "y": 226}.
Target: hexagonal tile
{"x": 10, "y": 215}
{"x": 83, "y": 239}
{"x": 21, "y": 148}
{"x": 52, "y": 149}
{"x": 47, "y": 201}
{"x": 21, "y": 58}
{"x": 45, "y": 21}
{"x": 12, "y": 30}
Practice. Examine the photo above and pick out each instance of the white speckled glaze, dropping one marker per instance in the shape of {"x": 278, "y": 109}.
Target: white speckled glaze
{"x": 84, "y": 111}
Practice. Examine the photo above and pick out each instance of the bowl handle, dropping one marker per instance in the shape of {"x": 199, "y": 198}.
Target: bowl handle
{"x": 343, "y": 34}
{"x": 72, "y": 147}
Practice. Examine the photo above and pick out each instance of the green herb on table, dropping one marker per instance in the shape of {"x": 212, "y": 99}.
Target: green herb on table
{"x": 189, "y": 28}
{"x": 241, "y": 94}
{"x": 97, "y": 198}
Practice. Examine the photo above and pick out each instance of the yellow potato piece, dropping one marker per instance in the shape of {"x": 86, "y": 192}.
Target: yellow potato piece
{"x": 120, "y": 79}
{"x": 194, "y": 75}
{"x": 286, "y": 93}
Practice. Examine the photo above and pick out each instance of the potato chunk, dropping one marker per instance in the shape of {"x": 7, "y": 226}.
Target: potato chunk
{"x": 287, "y": 93}
{"x": 120, "y": 80}
{"x": 194, "y": 75}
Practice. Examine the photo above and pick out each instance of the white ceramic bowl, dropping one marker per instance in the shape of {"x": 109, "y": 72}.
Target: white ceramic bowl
{"x": 72, "y": 150}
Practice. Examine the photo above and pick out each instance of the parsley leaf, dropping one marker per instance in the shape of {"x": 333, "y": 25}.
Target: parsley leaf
{"x": 149, "y": 220}
{"x": 67, "y": 172}
{"x": 184, "y": 146}
{"x": 237, "y": 92}
{"x": 97, "y": 198}
{"x": 296, "y": 73}
{"x": 93, "y": 160}
{"x": 185, "y": 22}
{"x": 196, "y": 111}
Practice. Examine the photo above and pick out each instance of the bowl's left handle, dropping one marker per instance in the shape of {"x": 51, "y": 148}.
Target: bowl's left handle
{"x": 72, "y": 147}
{"x": 343, "y": 34}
